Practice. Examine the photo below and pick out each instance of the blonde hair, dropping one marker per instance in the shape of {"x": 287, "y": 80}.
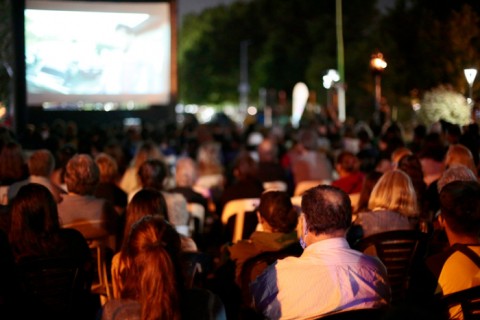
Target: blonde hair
{"x": 394, "y": 192}
{"x": 459, "y": 154}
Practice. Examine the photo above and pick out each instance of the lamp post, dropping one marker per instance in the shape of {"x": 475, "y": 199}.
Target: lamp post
{"x": 377, "y": 65}
{"x": 470, "y": 75}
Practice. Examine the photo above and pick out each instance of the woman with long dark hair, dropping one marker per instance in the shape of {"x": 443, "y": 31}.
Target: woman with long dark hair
{"x": 152, "y": 281}
{"x": 35, "y": 228}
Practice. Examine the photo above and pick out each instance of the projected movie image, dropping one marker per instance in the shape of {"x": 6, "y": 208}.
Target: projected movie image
{"x": 95, "y": 56}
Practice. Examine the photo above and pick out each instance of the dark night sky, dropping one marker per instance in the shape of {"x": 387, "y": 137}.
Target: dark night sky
{"x": 196, "y": 6}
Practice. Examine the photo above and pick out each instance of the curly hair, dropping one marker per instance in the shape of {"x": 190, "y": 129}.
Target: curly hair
{"x": 82, "y": 175}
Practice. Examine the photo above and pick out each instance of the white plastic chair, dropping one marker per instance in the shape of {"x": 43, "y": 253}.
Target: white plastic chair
{"x": 210, "y": 181}
{"x": 238, "y": 208}
{"x": 275, "y": 186}
{"x": 196, "y": 210}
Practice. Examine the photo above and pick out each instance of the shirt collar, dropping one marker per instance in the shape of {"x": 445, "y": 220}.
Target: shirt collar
{"x": 331, "y": 243}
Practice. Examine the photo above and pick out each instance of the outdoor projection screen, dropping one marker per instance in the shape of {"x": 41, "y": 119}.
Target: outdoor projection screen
{"x": 90, "y": 55}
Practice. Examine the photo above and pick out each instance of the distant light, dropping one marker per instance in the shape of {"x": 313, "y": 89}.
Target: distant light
{"x": 470, "y": 74}
{"x": 130, "y": 105}
{"x": 416, "y": 106}
{"x": 205, "y": 114}
{"x": 108, "y": 106}
{"x": 330, "y": 78}
{"x": 191, "y": 108}
{"x": 252, "y": 110}
{"x": 3, "y": 110}
{"x": 179, "y": 108}
{"x": 377, "y": 63}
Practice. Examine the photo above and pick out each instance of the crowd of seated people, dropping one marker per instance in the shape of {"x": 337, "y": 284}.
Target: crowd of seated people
{"x": 57, "y": 198}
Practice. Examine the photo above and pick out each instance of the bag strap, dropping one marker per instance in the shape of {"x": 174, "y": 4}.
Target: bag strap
{"x": 472, "y": 255}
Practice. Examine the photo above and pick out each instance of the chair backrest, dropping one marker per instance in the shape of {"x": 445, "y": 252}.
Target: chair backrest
{"x": 399, "y": 250}
{"x": 102, "y": 285}
{"x": 468, "y": 300}
{"x": 57, "y": 287}
{"x": 210, "y": 181}
{"x": 275, "y": 186}
{"x": 354, "y": 197}
{"x": 303, "y": 186}
{"x": 238, "y": 208}
{"x": 197, "y": 212}
{"x": 254, "y": 266}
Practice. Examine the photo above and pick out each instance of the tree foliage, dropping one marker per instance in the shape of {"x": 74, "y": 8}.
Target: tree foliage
{"x": 425, "y": 42}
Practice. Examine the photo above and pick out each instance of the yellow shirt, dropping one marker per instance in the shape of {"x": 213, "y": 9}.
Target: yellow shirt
{"x": 459, "y": 273}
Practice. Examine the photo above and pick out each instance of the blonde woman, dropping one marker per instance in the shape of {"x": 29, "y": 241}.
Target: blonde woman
{"x": 459, "y": 154}
{"x": 392, "y": 205}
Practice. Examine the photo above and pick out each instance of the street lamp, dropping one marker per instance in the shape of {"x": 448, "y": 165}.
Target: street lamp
{"x": 377, "y": 65}
{"x": 470, "y": 75}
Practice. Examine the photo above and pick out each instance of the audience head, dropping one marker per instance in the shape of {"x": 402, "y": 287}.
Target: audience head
{"x": 308, "y": 138}
{"x": 245, "y": 167}
{"x": 11, "y": 163}
{"x": 326, "y": 209}
{"x": 398, "y": 154}
{"x": 34, "y": 221}
{"x": 144, "y": 203}
{"x": 147, "y": 150}
{"x": 41, "y": 163}
{"x": 369, "y": 182}
{"x": 460, "y": 207}
{"x": 433, "y": 147}
{"x": 347, "y": 163}
{"x": 394, "y": 191}
{"x": 267, "y": 151}
{"x": 152, "y": 174}
{"x": 456, "y": 172}
{"x": 459, "y": 154}
{"x": 411, "y": 165}
{"x": 209, "y": 158}
{"x": 277, "y": 210}
{"x": 151, "y": 270}
{"x": 82, "y": 175}
{"x": 186, "y": 172}
{"x": 107, "y": 167}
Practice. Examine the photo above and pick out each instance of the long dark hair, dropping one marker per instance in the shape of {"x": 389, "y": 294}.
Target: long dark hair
{"x": 34, "y": 224}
